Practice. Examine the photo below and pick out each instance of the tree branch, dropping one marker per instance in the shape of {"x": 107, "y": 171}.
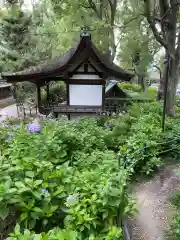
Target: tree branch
{"x": 152, "y": 25}
{"x": 169, "y": 9}
{"x": 177, "y": 53}
{"x": 113, "y": 6}
{"x": 93, "y": 6}
{"x": 129, "y": 21}
{"x": 159, "y": 69}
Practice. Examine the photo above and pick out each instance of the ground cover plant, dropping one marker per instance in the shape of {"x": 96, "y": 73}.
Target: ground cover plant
{"x": 69, "y": 179}
{"x": 60, "y": 181}
{"x": 174, "y": 233}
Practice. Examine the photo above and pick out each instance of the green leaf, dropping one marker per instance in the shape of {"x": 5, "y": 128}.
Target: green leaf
{"x": 30, "y": 174}
{"x": 4, "y": 211}
{"x": 23, "y": 216}
{"x": 19, "y": 184}
{"x": 37, "y": 210}
{"x": 38, "y": 182}
{"x": 54, "y": 208}
{"x": 37, "y": 237}
{"x": 17, "y": 229}
{"x": 37, "y": 194}
{"x": 105, "y": 215}
{"x": 32, "y": 223}
{"x": 45, "y": 222}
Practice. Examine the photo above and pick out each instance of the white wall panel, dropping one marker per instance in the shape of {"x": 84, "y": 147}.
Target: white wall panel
{"x": 87, "y": 95}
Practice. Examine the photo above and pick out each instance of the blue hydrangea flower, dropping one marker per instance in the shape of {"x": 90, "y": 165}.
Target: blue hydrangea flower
{"x": 16, "y": 126}
{"x": 45, "y": 192}
{"x": 34, "y": 128}
{"x": 72, "y": 199}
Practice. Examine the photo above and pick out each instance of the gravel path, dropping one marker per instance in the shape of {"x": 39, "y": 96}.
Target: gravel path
{"x": 9, "y": 111}
{"x": 154, "y": 208}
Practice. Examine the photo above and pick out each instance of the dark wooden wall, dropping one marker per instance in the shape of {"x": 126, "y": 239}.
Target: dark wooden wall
{"x": 5, "y": 92}
{"x": 116, "y": 92}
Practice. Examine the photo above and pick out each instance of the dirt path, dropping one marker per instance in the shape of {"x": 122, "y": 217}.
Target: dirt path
{"x": 154, "y": 208}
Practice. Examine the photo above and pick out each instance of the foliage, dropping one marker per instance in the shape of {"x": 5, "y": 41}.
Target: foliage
{"x": 68, "y": 179}
{"x": 141, "y": 148}
{"x": 130, "y": 87}
{"x": 57, "y": 93}
{"x": 174, "y": 232}
{"x": 51, "y": 235}
{"x": 137, "y": 44}
{"x": 14, "y": 27}
{"x": 64, "y": 234}
{"x": 120, "y": 131}
{"x": 150, "y": 93}
{"x": 135, "y": 91}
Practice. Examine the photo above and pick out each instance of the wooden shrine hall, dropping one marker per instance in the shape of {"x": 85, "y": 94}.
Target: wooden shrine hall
{"x": 84, "y": 69}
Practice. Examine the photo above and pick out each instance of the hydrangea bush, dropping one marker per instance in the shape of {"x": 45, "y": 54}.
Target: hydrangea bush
{"x": 61, "y": 177}
{"x": 58, "y": 179}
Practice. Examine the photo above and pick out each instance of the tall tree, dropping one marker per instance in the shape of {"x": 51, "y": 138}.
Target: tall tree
{"x": 107, "y": 12}
{"x": 163, "y": 19}
{"x": 14, "y": 28}
{"x": 137, "y": 44}
{"x": 101, "y": 16}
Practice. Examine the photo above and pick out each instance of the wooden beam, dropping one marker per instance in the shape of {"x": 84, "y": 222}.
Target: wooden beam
{"x": 47, "y": 91}
{"x": 38, "y": 97}
{"x": 103, "y": 94}
{"x": 67, "y": 93}
{"x": 86, "y": 81}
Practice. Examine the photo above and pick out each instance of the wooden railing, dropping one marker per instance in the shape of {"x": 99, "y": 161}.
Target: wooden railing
{"x": 110, "y": 107}
{"x": 82, "y": 109}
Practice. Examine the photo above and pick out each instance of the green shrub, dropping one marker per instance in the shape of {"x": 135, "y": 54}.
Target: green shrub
{"x": 174, "y": 232}
{"x": 62, "y": 177}
{"x": 25, "y": 90}
{"x": 151, "y": 93}
{"x": 112, "y": 233}
{"x": 57, "y": 93}
{"x": 120, "y": 127}
{"x": 57, "y": 233}
{"x": 142, "y": 147}
{"x": 130, "y": 87}
{"x": 68, "y": 175}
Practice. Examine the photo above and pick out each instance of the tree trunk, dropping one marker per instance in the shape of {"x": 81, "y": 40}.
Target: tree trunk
{"x": 141, "y": 82}
{"x": 160, "y": 93}
{"x": 168, "y": 11}
{"x": 171, "y": 90}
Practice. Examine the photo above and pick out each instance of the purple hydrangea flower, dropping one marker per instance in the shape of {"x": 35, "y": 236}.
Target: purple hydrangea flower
{"x": 34, "y": 128}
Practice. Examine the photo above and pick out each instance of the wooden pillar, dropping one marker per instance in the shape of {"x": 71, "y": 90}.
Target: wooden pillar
{"x": 38, "y": 97}
{"x": 47, "y": 91}
{"x": 103, "y": 94}
{"x": 67, "y": 98}
{"x": 67, "y": 93}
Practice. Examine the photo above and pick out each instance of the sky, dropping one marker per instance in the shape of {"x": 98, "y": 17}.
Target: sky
{"x": 27, "y": 3}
